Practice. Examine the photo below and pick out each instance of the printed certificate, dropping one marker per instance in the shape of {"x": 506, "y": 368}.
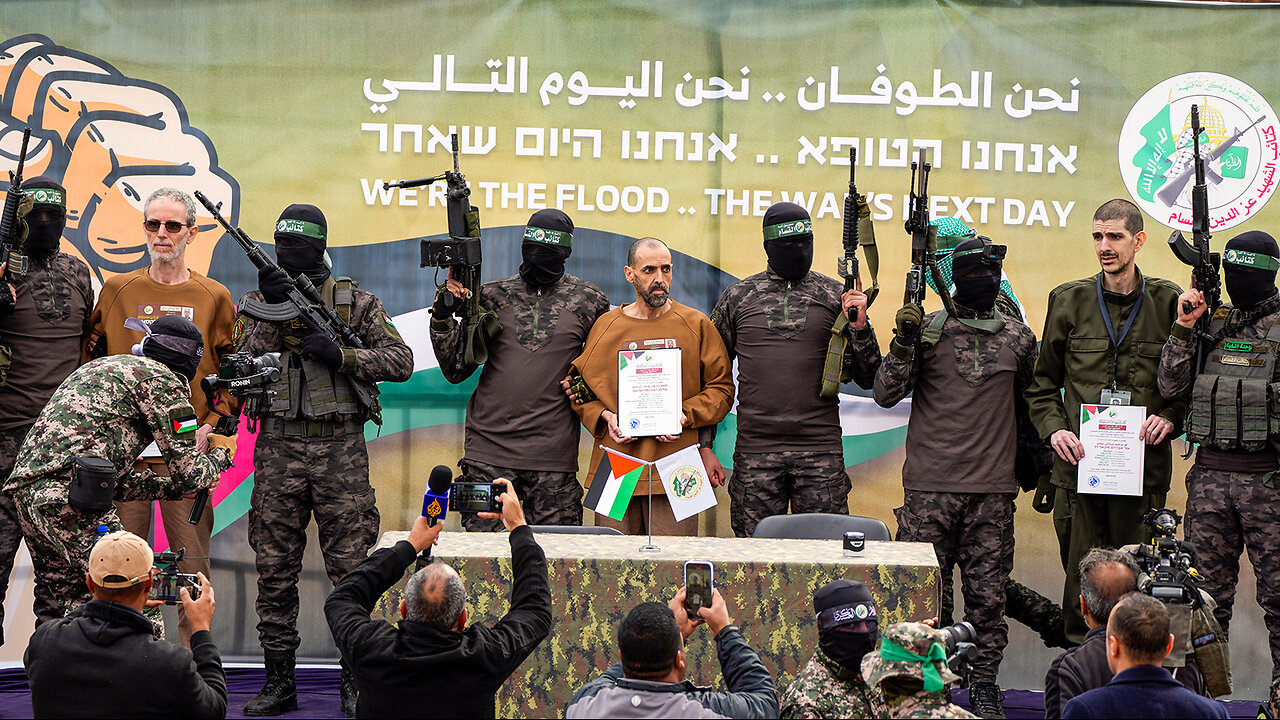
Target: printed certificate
{"x": 1113, "y": 449}
{"x": 649, "y": 393}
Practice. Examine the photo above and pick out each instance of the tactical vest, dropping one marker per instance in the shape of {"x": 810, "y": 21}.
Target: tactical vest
{"x": 1233, "y": 396}
{"x": 307, "y": 388}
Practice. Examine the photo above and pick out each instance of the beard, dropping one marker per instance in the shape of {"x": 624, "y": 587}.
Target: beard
{"x": 167, "y": 255}
{"x": 653, "y": 298}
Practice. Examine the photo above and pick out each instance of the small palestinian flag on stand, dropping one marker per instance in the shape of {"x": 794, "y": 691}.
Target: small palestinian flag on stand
{"x": 614, "y": 484}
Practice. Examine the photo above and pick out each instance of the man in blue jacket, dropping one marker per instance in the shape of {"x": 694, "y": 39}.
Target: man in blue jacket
{"x": 432, "y": 646}
{"x": 650, "y": 680}
{"x": 1138, "y": 640}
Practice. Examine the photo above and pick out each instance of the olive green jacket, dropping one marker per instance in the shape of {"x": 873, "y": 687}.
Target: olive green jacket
{"x": 1075, "y": 365}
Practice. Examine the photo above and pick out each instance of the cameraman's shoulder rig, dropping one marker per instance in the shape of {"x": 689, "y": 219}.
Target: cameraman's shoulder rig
{"x": 307, "y": 388}
{"x": 1235, "y": 406}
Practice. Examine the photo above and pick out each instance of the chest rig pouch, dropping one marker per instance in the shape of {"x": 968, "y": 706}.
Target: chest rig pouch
{"x": 1234, "y": 403}
{"x": 307, "y": 388}
{"x": 93, "y": 485}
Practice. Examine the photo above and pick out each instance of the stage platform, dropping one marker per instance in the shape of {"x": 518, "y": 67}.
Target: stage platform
{"x": 318, "y": 695}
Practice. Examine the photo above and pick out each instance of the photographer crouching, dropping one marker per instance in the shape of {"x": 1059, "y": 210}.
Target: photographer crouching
{"x": 104, "y": 658}
{"x": 432, "y": 646}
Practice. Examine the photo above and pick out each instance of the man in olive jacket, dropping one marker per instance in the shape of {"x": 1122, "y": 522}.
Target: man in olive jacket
{"x": 1094, "y": 357}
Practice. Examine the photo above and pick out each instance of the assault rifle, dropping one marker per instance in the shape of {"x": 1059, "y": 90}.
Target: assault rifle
{"x": 847, "y": 264}
{"x": 1170, "y": 192}
{"x": 304, "y": 303}
{"x": 923, "y": 240}
{"x": 1204, "y": 264}
{"x": 9, "y": 241}
{"x": 460, "y": 252}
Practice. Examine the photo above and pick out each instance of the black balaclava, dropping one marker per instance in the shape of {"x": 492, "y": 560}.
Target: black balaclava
{"x": 301, "y": 238}
{"x": 788, "y": 240}
{"x": 976, "y": 273}
{"x": 48, "y": 216}
{"x": 548, "y": 241}
{"x": 1249, "y": 265}
{"x": 172, "y": 340}
{"x": 847, "y": 622}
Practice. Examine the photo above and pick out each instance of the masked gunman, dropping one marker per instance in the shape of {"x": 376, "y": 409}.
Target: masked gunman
{"x": 778, "y": 325}
{"x": 44, "y": 316}
{"x": 519, "y": 425}
{"x": 1231, "y": 492}
{"x": 311, "y": 456}
{"x": 959, "y": 485}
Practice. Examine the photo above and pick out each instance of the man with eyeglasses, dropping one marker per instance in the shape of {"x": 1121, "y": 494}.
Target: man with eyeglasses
{"x": 168, "y": 287}
{"x": 45, "y": 300}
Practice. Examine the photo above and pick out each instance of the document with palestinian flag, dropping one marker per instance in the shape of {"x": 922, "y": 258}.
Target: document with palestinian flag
{"x": 1113, "y": 449}
{"x": 614, "y": 483}
{"x": 686, "y": 481}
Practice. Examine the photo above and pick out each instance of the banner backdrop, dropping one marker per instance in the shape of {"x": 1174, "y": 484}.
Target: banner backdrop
{"x": 680, "y": 120}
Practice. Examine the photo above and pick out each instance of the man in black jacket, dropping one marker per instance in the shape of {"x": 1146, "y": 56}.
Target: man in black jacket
{"x": 104, "y": 657}
{"x": 1105, "y": 576}
{"x": 650, "y": 680}
{"x": 432, "y": 646}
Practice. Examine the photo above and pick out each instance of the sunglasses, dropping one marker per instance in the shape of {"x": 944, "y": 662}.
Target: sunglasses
{"x": 172, "y": 226}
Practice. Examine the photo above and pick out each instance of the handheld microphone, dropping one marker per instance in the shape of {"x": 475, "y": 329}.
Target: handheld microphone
{"x": 435, "y": 501}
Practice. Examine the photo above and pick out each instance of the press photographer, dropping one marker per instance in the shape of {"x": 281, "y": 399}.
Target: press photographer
{"x": 106, "y": 652}
{"x": 433, "y": 646}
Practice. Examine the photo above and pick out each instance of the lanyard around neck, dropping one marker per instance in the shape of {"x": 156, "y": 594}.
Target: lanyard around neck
{"x": 1124, "y": 331}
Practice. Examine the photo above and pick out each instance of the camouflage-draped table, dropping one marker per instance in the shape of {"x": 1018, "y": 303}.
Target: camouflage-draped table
{"x": 595, "y": 579}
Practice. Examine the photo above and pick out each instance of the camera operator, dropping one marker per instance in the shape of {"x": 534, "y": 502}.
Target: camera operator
{"x": 831, "y": 685}
{"x": 650, "y": 679}
{"x": 104, "y": 658}
{"x": 910, "y": 671}
{"x": 432, "y": 644}
{"x": 1138, "y": 640}
{"x": 80, "y": 454}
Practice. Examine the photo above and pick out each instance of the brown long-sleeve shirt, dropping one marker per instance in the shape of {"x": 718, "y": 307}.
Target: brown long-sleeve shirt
{"x": 706, "y": 378}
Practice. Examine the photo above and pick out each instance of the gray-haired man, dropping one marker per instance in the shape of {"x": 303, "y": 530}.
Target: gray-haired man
{"x": 433, "y": 644}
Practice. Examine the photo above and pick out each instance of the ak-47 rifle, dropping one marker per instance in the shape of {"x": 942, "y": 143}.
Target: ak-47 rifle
{"x": 304, "y": 303}
{"x": 460, "y": 253}
{"x": 1204, "y": 264}
{"x": 1170, "y": 192}
{"x": 847, "y": 264}
{"x": 9, "y": 240}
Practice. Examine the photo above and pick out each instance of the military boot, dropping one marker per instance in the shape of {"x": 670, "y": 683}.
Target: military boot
{"x": 348, "y": 692}
{"x": 985, "y": 700}
{"x": 280, "y": 692}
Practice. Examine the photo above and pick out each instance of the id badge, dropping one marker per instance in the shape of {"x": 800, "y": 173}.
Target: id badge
{"x": 1116, "y": 397}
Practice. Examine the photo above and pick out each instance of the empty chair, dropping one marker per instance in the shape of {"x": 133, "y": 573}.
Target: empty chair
{"x": 820, "y": 526}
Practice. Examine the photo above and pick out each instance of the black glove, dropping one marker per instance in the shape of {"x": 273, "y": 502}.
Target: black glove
{"x": 1042, "y": 502}
{"x": 274, "y": 284}
{"x": 445, "y": 305}
{"x": 7, "y": 301}
{"x": 321, "y": 347}
{"x": 908, "y": 320}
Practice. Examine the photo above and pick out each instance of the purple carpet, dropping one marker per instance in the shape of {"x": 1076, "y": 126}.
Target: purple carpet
{"x": 318, "y": 695}
{"x": 317, "y": 692}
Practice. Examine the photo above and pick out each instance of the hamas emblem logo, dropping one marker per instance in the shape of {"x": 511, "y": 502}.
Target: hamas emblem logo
{"x": 686, "y": 482}
{"x": 1237, "y": 142}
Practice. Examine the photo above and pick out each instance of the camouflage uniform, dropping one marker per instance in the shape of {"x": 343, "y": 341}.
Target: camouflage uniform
{"x": 43, "y": 333}
{"x": 826, "y": 689}
{"x": 1231, "y": 511}
{"x": 965, "y": 510}
{"x": 308, "y": 461}
{"x": 111, "y": 408}
{"x": 519, "y": 423}
{"x": 789, "y": 448}
{"x": 916, "y": 639}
